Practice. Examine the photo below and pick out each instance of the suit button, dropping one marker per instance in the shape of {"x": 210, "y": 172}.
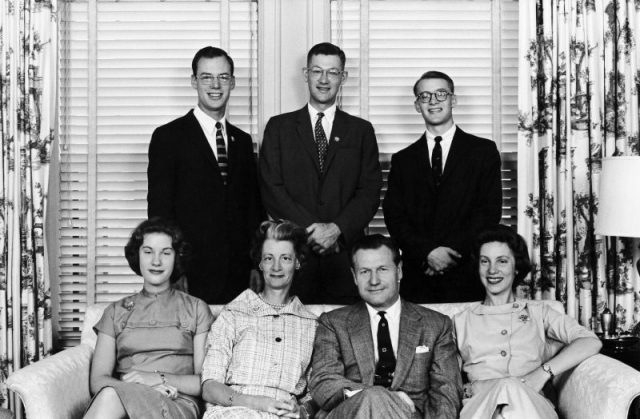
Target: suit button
{"x": 504, "y": 331}
{"x": 503, "y": 353}
{"x": 278, "y": 339}
{"x": 276, "y": 316}
{"x": 321, "y": 203}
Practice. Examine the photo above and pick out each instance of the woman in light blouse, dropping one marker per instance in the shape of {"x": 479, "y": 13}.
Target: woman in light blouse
{"x": 502, "y": 339}
{"x": 259, "y": 348}
{"x": 151, "y": 344}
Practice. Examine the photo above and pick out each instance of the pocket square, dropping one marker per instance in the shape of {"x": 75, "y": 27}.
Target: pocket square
{"x": 422, "y": 349}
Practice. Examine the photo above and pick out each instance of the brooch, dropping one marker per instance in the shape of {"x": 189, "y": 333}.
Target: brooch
{"x": 128, "y": 303}
{"x": 524, "y": 318}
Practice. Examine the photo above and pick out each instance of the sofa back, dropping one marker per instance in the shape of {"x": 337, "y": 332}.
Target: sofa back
{"x": 94, "y": 313}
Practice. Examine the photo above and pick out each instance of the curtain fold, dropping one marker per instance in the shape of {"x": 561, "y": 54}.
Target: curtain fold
{"x": 28, "y": 59}
{"x": 578, "y": 102}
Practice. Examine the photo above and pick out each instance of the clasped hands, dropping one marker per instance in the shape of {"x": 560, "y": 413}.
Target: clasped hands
{"x": 151, "y": 379}
{"x": 441, "y": 259}
{"x": 323, "y": 238}
{"x": 285, "y": 409}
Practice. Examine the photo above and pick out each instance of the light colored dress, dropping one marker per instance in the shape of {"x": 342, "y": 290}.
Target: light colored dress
{"x": 499, "y": 344}
{"x": 155, "y": 332}
{"x": 259, "y": 350}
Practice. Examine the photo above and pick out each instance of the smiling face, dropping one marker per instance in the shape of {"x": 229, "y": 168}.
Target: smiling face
{"x": 323, "y": 91}
{"x": 213, "y": 96}
{"x": 377, "y": 277}
{"x": 438, "y": 116}
{"x": 278, "y": 264}
{"x": 497, "y": 269}
{"x": 156, "y": 261}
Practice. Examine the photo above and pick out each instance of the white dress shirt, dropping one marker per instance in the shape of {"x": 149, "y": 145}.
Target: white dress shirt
{"x": 392, "y": 314}
{"x": 208, "y": 125}
{"x": 445, "y": 144}
{"x": 327, "y": 121}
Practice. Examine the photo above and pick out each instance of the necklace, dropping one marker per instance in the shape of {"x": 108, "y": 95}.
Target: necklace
{"x": 276, "y": 307}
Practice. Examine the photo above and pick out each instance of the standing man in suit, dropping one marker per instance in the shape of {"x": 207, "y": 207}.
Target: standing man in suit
{"x": 384, "y": 357}
{"x": 202, "y": 174}
{"x": 319, "y": 168}
{"x": 442, "y": 190}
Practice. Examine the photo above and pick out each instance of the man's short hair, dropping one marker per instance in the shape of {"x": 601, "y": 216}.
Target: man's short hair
{"x": 433, "y": 75}
{"x": 373, "y": 242}
{"x": 327, "y": 48}
{"x": 210, "y": 52}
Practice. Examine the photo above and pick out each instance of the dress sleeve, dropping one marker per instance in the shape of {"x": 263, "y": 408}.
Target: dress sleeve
{"x": 219, "y": 348}
{"x": 563, "y": 328}
{"x": 204, "y": 318}
{"x": 106, "y": 324}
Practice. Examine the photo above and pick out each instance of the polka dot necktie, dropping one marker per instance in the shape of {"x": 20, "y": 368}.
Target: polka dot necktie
{"x": 321, "y": 141}
{"x": 386, "y": 360}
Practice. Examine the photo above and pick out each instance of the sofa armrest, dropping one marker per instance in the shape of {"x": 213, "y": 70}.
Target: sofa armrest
{"x": 56, "y": 387}
{"x": 600, "y": 387}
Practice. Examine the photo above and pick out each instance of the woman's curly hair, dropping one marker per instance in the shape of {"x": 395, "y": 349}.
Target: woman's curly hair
{"x": 158, "y": 225}
{"x": 504, "y": 234}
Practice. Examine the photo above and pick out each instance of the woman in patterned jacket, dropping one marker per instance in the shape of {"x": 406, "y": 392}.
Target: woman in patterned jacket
{"x": 259, "y": 348}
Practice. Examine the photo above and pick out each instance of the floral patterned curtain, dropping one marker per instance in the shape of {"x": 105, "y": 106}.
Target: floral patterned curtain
{"x": 28, "y": 51}
{"x": 579, "y": 76}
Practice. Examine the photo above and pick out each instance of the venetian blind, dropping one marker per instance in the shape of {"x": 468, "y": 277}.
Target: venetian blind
{"x": 390, "y": 43}
{"x": 125, "y": 68}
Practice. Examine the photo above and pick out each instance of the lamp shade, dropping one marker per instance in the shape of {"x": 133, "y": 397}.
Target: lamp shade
{"x": 619, "y": 200}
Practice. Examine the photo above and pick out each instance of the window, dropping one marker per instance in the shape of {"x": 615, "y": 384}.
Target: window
{"x": 389, "y": 44}
{"x": 124, "y": 70}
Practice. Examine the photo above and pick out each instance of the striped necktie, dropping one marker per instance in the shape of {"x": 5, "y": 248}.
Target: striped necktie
{"x": 223, "y": 161}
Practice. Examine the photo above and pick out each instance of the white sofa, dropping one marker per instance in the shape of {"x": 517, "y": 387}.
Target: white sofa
{"x": 58, "y": 387}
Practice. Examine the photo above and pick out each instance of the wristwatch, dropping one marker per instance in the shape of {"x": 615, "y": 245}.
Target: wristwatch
{"x": 546, "y": 368}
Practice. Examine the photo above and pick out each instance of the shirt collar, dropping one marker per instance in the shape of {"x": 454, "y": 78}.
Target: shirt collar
{"x": 248, "y": 302}
{"x": 207, "y": 122}
{"x": 392, "y": 312}
{"x": 447, "y": 136}
{"x": 329, "y": 113}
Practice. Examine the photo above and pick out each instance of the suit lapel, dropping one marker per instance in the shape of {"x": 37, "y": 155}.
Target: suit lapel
{"x": 409, "y": 339}
{"x": 338, "y": 134}
{"x": 362, "y": 342}
{"x": 306, "y": 136}
{"x": 232, "y": 150}
{"x": 456, "y": 150}
{"x": 194, "y": 132}
{"x": 425, "y": 167}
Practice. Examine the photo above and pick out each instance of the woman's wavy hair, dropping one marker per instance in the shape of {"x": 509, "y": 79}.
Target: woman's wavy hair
{"x": 281, "y": 230}
{"x": 158, "y": 225}
{"x": 504, "y": 234}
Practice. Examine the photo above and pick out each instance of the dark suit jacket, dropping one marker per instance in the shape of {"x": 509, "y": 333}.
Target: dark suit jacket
{"x": 347, "y": 193}
{"x": 343, "y": 358}
{"x": 218, "y": 221}
{"x": 420, "y": 217}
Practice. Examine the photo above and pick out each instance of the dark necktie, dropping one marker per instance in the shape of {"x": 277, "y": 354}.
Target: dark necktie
{"x": 436, "y": 161}
{"x": 222, "y": 152}
{"x": 386, "y": 360}
{"x": 321, "y": 141}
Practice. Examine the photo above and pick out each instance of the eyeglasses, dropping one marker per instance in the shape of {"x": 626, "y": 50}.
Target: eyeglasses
{"x": 315, "y": 73}
{"x": 440, "y": 95}
{"x": 223, "y": 79}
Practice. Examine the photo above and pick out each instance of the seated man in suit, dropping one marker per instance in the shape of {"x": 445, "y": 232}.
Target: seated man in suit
{"x": 384, "y": 357}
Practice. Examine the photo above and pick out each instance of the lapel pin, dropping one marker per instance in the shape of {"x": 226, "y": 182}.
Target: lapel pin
{"x": 336, "y": 139}
{"x": 233, "y": 138}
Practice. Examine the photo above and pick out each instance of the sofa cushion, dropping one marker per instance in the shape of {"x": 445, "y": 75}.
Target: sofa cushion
{"x": 94, "y": 313}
